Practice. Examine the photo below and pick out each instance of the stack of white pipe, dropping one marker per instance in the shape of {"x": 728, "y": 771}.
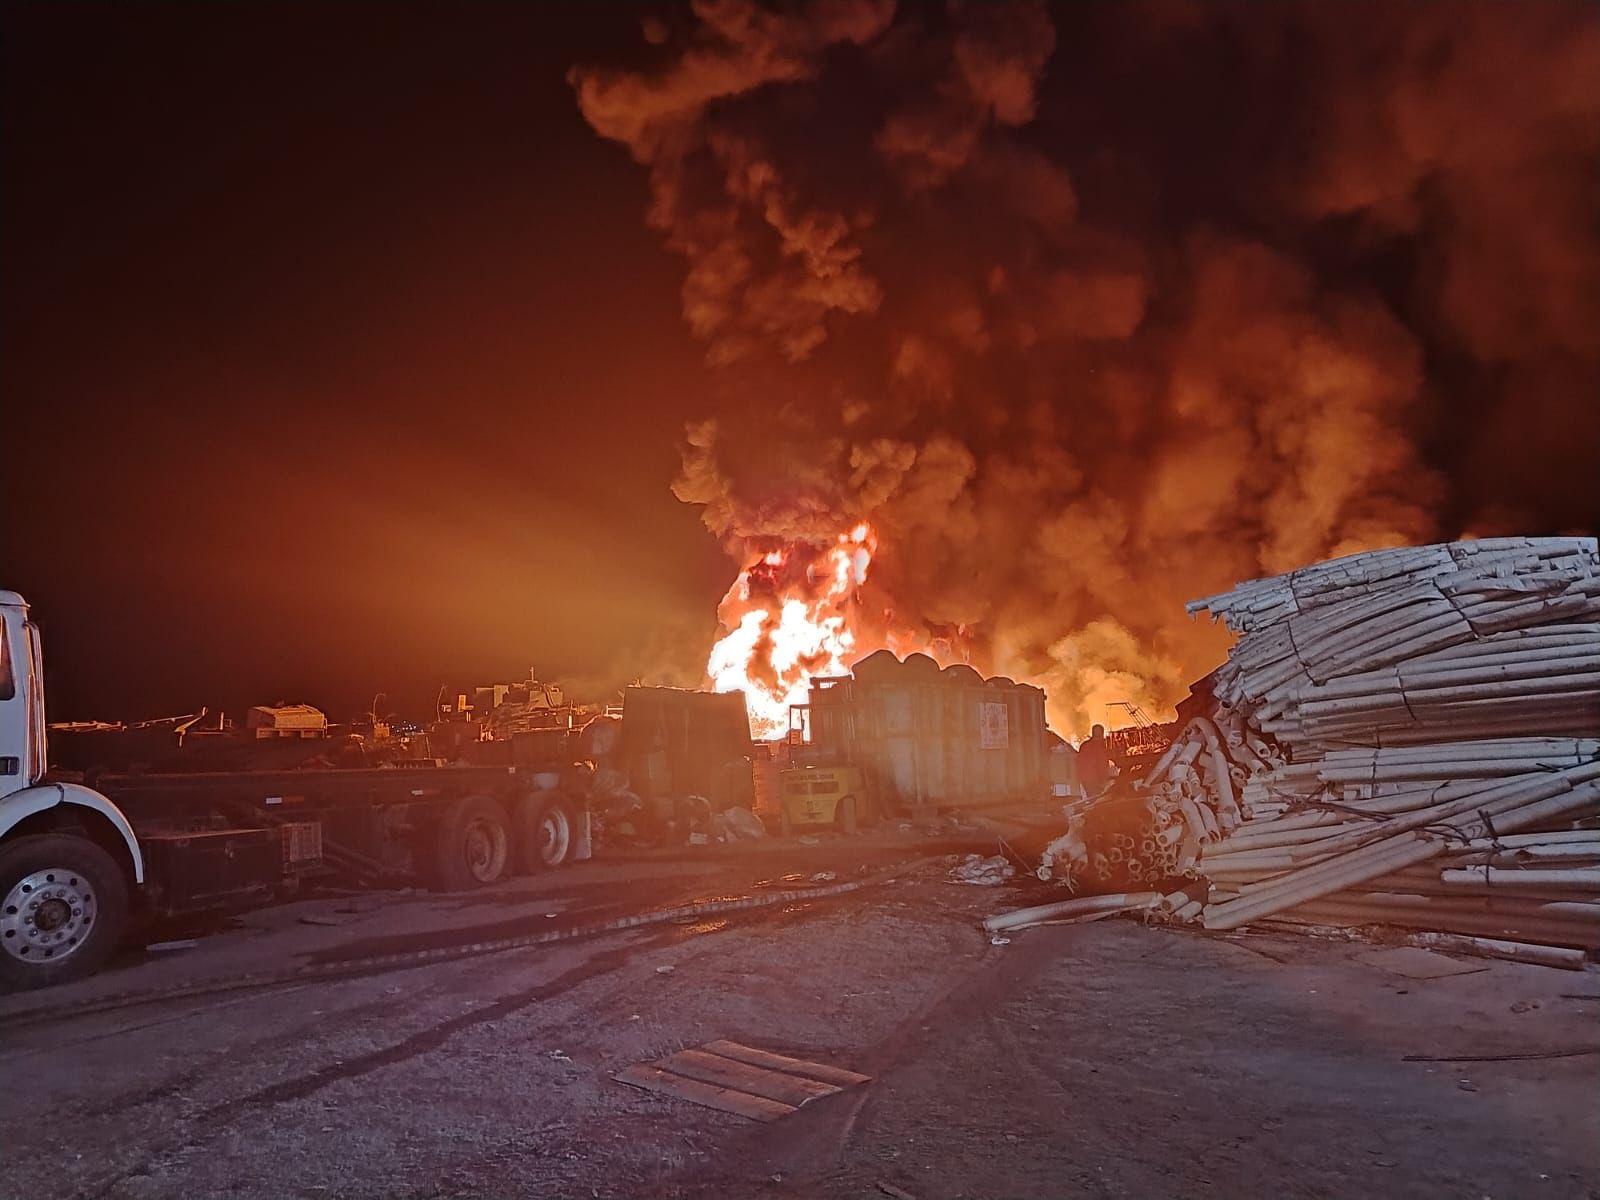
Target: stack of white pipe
{"x": 1530, "y": 680}
{"x": 1408, "y": 737}
{"x": 1259, "y": 603}
{"x": 1283, "y": 665}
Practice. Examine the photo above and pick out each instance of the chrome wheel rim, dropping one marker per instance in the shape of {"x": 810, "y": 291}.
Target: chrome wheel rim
{"x": 47, "y": 915}
{"x": 555, "y": 836}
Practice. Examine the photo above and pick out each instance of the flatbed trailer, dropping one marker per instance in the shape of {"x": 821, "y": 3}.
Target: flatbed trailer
{"x": 78, "y": 858}
{"x": 214, "y": 836}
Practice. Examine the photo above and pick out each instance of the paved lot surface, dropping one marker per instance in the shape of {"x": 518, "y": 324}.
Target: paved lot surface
{"x": 1096, "y": 1060}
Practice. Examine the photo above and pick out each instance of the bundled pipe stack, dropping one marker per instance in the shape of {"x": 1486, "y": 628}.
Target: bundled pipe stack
{"x": 1407, "y": 738}
{"x": 1119, "y": 842}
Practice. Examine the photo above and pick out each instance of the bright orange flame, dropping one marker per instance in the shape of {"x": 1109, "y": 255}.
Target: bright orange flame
{"x": 788, "y": 620}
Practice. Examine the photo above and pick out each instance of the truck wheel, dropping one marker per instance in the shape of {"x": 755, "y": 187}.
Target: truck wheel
{"x": 471, "y": 845}
{"x": 547, "y": 827}
{"x": 63, "y": 903}
{"x": 845, "y": 817}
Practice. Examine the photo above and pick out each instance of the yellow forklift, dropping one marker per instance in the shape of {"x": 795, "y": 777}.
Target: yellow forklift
{"x": 826, "y": 795}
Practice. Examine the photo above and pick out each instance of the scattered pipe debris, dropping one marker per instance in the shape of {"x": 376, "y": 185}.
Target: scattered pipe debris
{"x": 1084, "y": 906}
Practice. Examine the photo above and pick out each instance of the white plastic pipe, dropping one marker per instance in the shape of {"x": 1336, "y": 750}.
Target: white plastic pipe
{"x": 1513, "y": 879}
{"x": 1082, "y": 906}
{"x": 1481, "y": 947}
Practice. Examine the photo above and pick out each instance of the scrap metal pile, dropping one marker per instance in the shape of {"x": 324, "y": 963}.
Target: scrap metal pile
{"x": 1405, "y": 738}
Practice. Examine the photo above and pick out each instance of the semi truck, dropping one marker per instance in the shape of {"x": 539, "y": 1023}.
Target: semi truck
{"x": 80, "y": 858}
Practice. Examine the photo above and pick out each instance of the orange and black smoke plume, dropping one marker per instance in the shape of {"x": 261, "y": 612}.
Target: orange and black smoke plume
{"x": 1092, "y": 309}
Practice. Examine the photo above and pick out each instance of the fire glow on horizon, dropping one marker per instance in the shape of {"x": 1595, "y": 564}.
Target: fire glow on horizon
{"x": 788, "y": 619}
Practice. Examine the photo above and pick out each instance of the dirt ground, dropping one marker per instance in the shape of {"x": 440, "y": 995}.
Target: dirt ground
{"x": 1106, "y": 1059}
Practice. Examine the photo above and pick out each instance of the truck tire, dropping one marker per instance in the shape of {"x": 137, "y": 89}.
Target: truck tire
{"x": 547, "y": 830}
{"x": 470, "y": 845}
{"x": 63, "y": 904}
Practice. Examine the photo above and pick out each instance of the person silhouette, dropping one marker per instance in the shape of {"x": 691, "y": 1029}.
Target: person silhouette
{"x": 1095, "y": 767}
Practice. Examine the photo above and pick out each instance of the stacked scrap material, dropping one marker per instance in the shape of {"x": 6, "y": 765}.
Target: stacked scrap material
{"x": 1120, "y": 841}
{"x": 1405, "y": 737}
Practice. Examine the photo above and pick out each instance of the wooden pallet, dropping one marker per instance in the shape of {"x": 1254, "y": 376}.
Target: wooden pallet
{"x": 741, "y": 1079}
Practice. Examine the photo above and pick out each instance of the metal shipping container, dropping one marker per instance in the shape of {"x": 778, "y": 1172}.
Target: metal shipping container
{"x": 927, "y": 738}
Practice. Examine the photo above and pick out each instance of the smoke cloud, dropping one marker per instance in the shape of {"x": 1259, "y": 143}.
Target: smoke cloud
{"x": 1090, "y": 310}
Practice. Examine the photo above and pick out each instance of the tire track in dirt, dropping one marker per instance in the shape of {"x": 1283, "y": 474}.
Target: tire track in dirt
{"x": 216, "y": 1120}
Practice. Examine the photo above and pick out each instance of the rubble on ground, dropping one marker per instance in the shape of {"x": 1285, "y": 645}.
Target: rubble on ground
{"x": 1406, "y": 737}
{"x": 987, "y": 872}
{"x": 739, "y": 824}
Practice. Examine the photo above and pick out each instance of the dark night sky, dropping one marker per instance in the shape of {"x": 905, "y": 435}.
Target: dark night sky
{"x": 337, "y": 358}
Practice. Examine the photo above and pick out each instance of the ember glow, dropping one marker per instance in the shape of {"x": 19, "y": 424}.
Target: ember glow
{"x": 790, "y": 616}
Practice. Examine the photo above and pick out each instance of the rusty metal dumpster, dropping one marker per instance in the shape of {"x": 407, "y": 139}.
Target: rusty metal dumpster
{"x": 927, "y": 738}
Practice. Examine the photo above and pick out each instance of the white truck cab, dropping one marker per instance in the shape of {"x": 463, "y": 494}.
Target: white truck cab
{"x": 69, "y": 859}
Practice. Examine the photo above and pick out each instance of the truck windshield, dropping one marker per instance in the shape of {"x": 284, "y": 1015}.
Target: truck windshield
{"x": 8, "y": 678}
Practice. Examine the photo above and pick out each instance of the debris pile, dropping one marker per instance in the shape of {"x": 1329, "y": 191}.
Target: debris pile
{"x": 1404, "y": 737}
{"x": 1122, "y": 840}
{"x": 986, "y": 872}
